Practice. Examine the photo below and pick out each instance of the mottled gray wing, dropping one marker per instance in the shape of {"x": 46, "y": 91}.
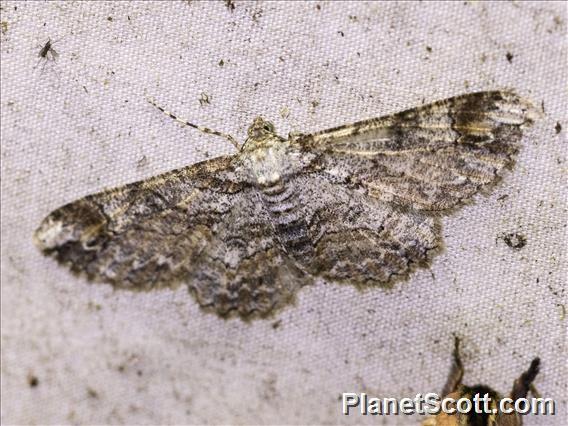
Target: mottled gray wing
{"x": 339, "y": 233}
{"x": 434, "y": 157}
{"x": 380, "y": 184}
{"x": 200, "y": 225}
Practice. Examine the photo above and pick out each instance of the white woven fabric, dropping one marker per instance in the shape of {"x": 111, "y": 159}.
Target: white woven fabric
{"x": 77, "y": 125}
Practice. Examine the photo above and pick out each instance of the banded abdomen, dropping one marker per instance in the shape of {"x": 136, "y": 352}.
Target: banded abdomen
{"x": 283, "y": 205}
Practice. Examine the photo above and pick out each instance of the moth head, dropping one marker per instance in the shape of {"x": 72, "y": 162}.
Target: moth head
{"x": 260, "y": 128}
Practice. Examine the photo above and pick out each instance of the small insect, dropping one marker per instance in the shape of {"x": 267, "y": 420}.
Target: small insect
{"x": 455, "y": 390}
{"x": 47, "y": 52}
{"x": 360, "y": 204}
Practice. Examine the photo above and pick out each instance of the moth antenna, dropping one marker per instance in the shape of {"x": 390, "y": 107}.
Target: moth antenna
{"x": 231, "y": 139}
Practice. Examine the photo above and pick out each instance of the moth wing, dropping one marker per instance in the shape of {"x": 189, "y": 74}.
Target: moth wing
{"x": 432, "y": 158}
{"x": 375, "y": 185}
{"x": 198, "y": 225}
{"x": 245, "y": 268}
{"x": 342, "y": 235}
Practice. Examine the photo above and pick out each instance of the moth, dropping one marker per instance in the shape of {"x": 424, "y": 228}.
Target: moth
{"x": 358, "y": 204}
{"x": 456, "y": 390}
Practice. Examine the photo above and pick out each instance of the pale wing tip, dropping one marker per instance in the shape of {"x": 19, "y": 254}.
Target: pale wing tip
{"x": 515, "y": 109}
{"x": 531, "y": 112}
{"x": 39, "y": 241}
{"x": 49, "y": 234}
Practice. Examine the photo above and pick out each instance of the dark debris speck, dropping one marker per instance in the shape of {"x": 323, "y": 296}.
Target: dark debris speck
{"x": 33, "y": 381}
{"x": 515, "y": 240}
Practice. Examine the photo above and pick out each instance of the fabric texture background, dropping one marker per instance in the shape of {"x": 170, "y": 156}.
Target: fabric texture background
{"x": 77, "y": 125}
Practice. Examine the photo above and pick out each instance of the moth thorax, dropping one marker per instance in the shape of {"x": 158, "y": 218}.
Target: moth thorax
{"x": 269, "y": 179}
